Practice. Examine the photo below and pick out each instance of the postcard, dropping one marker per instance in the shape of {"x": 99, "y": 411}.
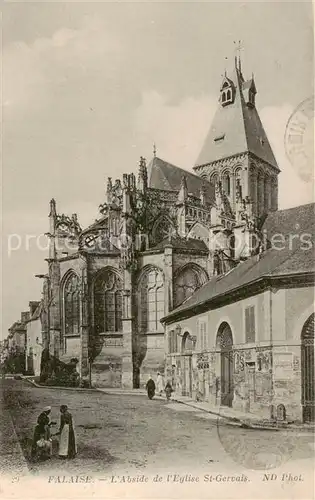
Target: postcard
{"x": 158, "y": 229}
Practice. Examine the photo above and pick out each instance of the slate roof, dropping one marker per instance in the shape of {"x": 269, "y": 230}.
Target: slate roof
{"x": 294, "y": 259}
{"x": 165, "y": 176}
{"x": 291, "y": 221}
{"x": 96, "y": 225}
{"x": 241, "y": 128}
{"x": 182, "y": 244}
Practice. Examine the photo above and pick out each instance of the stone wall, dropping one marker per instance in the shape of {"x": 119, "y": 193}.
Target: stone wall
{"x": 299, "y": 305}
{"x": 72, "y": 349}
{"x": 287, "y": 380}
{"x": 107, "y": 366}
{"x": 152, "y": 358}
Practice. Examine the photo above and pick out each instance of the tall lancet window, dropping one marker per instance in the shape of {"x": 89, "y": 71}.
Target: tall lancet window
{"x": 267, "y": 189}
{"x": 107, "y": 302}
{"x": 226, "y": 183}
{"x": 71, "y": 300}
{"x": 253, "y": 186}
{"x": 151, "y": 306}
{"x": 227, "y": 91}
{"x": 238, "y": 185}
{"x": 214, "y": 179}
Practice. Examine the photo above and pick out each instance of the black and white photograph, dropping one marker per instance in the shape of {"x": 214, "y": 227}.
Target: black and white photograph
{"x": 158, "y": 264}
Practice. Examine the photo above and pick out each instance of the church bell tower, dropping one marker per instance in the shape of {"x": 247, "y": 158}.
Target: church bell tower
{"x": 237, "y": 158}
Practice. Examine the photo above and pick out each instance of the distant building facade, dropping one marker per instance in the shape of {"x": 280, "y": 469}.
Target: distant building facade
{"x": 17, "y": 333}
{"x": 160, "y": 240}
{"x": 34, "y": 342}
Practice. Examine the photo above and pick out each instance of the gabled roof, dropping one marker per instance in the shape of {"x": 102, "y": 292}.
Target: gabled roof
{"x": 293, "y": 260}
{"x": 97, "y": 225}
{"x": 239, "y": 128}
{"x": 165, "y": 176}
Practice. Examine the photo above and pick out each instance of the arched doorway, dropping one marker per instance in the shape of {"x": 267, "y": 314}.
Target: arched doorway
{"x": 188, "y": 345}
{"x": 307, "y": 369}
{"x": 225, "y": 343}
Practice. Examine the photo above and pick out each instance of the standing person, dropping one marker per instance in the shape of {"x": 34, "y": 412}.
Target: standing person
{"x": 168, "y": 390}
{"x": 150, "y": 386}
{"x": 42, "y": 444}
{"x": 67, "y": 443}
{"x": 159, "y": 384}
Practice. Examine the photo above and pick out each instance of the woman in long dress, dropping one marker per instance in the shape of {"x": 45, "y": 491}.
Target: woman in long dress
{"x": 150, "y": 386}
{"x": 67, "y": 443}
{"x": 159, "y": 384}
{"x": 42, "y": 444}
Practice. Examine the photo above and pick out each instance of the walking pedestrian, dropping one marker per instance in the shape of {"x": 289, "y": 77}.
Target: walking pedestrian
{"x": 67, "y": 442}
{"x": 168, "y": 390}
{"x": 150, "y": 386}
{"x": 159, "y": 384}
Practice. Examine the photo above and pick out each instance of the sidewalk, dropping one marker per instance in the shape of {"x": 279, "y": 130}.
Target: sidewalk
{"x": 230, "y": 415}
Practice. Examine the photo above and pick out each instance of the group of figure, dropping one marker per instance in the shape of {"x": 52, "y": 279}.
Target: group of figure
{"x": 158, "y": 387}
{"x": 42, "y": 440}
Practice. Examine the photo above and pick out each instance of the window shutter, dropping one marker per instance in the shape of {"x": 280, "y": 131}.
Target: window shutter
{"x": 203, "y": 339}
{"x": 170, "y": 338}
{"x": 250, "y": 324}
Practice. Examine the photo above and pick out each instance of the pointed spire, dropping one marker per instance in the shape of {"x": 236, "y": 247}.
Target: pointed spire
{"x": 183, "y": 190}
{"x": 109, "y": 190}
{"x": 237, "y": 57}
{"x": 143, "y": 175}
{"x": 154, "y": 150}
{"x": 52, "y": 205}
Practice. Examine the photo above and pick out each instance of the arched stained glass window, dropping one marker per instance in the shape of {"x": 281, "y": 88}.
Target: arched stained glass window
{"x": 151, "y": 307}
{"x": 107, "y": 302}
{"x": 238, "y": 185}
{"x": 71, "y": 297}
{"x": 214, "y": 179}
{"x": 227, "y": 184}
{"x": 185, "y": 284}
{"x": 162, "y": 229}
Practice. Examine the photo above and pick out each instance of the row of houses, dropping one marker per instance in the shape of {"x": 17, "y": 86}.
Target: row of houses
{"x": 24, "y": 341}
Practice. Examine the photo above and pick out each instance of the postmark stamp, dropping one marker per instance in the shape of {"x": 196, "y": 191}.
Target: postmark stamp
{"x": 299, "y": 139}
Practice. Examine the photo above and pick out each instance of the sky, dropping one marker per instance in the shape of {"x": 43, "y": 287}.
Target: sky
{"x": 87, "y": 88}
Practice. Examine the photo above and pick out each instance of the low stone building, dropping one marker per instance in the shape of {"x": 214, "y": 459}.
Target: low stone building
{"x": 246, "y": 338}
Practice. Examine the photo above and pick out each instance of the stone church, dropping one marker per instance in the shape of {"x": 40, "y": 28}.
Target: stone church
{"x": 162, "y": 236}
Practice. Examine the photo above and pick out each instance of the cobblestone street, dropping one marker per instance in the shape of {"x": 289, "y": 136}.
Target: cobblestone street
{"x": 132, "y": 434}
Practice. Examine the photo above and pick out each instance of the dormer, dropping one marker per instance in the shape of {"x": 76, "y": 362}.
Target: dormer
{"x": 227, "y": 91}
{"x": 249, "y": 92}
